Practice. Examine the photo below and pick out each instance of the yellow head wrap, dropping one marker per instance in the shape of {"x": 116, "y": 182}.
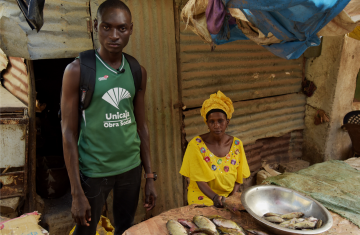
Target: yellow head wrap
{"x": 217, "y": 101}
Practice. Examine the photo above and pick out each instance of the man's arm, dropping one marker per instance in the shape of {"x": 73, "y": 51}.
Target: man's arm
{"x": 139, "y": 112}
{"x": 80, "y": 209}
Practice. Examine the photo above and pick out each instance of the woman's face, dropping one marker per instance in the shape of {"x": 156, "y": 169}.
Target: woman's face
{"x": 217, "y": 123}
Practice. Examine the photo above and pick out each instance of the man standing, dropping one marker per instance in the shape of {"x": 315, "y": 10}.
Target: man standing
{"x": 113, "y": 141}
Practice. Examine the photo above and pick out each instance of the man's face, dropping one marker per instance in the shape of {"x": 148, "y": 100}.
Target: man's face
{"x": 114, "y": 29}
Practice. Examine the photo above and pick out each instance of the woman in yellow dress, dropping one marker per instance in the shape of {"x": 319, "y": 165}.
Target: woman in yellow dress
{"x": 215, "y": 162}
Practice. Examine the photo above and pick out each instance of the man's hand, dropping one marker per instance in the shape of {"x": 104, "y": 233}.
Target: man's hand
{"x": 81, "y": 210}
{"x": 150, "y": 194}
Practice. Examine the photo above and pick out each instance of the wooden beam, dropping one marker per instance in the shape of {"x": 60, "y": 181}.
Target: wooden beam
{"x": 177, "y": 11}
{"x": 32, "y": 137}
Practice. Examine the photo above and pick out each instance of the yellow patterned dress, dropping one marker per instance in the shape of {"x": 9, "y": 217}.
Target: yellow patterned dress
{"x": 221, "y": 173}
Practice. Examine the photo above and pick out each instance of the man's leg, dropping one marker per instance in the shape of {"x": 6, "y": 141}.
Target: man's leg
{"x": 96, "y": 190}
{"x": 126, "y": 196}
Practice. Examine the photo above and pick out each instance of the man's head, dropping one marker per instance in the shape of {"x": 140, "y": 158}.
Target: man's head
{"x": 113, "y": 25}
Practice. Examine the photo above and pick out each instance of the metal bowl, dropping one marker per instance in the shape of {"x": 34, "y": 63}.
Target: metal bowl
{"x": 262, "y": 199}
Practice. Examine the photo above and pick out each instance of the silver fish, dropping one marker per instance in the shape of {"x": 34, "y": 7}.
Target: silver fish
{"x": 292, "y": 215}
{"x": 274, "y": 219}
{"x": 211, "y": 217}
{"x": 257, "y": 232}
{"x": 305, "y": 224}
{"x": 175, "y": 228}
{"x": 288, "y": 224}
{"x": 271, "y": 214}
{"x": 231, "y": 231}
{"x": 285, "y": 224}
{"x": 226, "y": 223}
{"x": 298, "y": 220}
{"x": 187, "y": 223}
{"x": 318, "y": 224}
{"x": 203, "y": 231}
{"x": 203, "y": 222}
{"x": 312, "y": 219}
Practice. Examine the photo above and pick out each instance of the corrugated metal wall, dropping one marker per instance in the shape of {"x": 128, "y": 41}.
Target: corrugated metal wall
{"x": 262, "y": 86}
{"x": 153, "y": 44}
{"x": 15, "y": 79}
{"x": 63, "y": 35}
{"x": 3, "y": 60}
{"x": 241, "y": 69}
{"x": 273, "y": 150}
{"x": 265, "y": 89}
{"x": 256, "y": 119}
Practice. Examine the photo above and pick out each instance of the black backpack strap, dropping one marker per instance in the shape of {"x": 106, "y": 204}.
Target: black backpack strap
{"x": 87, "y": 77}
{"x": 135, "y": 70}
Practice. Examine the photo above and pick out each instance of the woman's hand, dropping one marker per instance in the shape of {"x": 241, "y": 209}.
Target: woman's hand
{"x": 205, "y": 189}
{"x": 236, "y": 189}
{"x": 218, "y": 201}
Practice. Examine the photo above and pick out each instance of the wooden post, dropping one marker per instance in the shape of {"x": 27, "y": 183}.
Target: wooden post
{"x": 177, "y": 11}
{"x": 32, "y": 137}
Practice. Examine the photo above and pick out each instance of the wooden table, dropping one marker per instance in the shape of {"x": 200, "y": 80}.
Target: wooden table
{"x": 157, "y": 224}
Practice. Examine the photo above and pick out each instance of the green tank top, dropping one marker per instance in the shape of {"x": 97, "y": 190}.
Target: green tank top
{"x": 108, "y": 142}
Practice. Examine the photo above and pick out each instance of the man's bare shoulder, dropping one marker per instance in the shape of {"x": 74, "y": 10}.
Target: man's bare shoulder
{"x": 72, "y": 74}
{"x": 144, "y": 78}
{"x": 73, "y": 68}
{"x": 143, "y": 70}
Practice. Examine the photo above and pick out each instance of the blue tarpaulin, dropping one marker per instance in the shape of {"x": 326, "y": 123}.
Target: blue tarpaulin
{"x": 294, "y": 22}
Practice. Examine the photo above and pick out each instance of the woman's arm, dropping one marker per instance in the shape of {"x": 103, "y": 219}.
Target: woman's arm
{"x": 205, "y": 188}
{"x": 236, "y": 189}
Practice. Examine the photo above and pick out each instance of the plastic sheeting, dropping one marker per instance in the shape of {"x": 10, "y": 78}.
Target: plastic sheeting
{"x": 356, "y": 33}
{"x": 33, "y": 12}
{"x": 334, "y": 184}
{"x": 295, "y": 23}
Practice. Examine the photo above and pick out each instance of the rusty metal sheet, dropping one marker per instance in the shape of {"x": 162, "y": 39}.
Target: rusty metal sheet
{"x": 63, "y": 35}
{"x": 274, "y": 150}
{"x": 14, "y": 121}
{"x": 256, "y": 119}
{"x": 252, "y": 152}
{"x": 12, "y": 184}
{"x": 3, "y": 60}
{"x": 9, "y": 103}
{"x": 241, "y": 69}
{"x": 12, "y": 145}
{"x": 15, "y": 78}
{"x": 296, "y": 144}
{"x": 153, "y": 44}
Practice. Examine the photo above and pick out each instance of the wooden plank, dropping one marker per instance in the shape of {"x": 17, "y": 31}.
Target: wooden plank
{"x": 9, "y": 103}
{"x": 31, "y": 164}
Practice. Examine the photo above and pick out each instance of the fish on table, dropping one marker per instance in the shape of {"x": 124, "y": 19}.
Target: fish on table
{"x": 203, "y": 222}
{"x": 175, "y": 228}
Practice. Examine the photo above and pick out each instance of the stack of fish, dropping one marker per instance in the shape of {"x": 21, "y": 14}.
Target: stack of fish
{"x": 212, "y": 225}
{"x": 294, "y": 220}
